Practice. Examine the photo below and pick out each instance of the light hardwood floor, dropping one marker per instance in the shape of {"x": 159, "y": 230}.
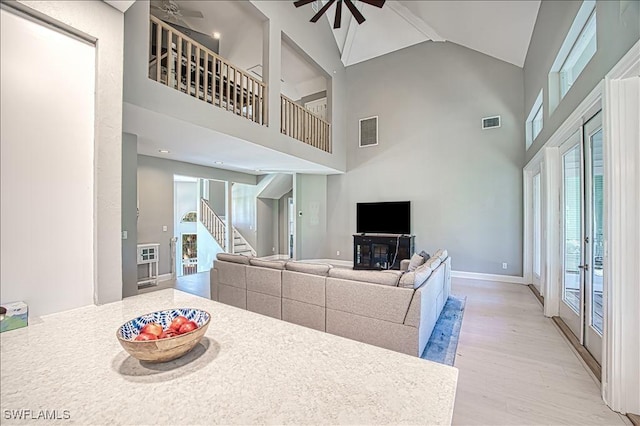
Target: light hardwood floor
{"x": 515, "y": 368}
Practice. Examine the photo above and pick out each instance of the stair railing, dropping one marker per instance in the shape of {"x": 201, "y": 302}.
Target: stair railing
{"x": 182, "y": 63}
{"x": 216, "y": 226}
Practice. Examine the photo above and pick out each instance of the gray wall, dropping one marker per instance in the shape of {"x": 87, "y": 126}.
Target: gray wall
{"x": 464, "y": 183}
{"x": 217, "y": 196}
{"x": 129, "y": 214}
{"x": 267, "y": 217}
{"x": 310, "y": 195}
{"x": 155, "y": 195}
{"x": 617, "y": 31}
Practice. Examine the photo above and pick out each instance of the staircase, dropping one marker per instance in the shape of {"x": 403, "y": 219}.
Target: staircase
{"x": 241, "y": 246}
{"x": 217, "y": 227}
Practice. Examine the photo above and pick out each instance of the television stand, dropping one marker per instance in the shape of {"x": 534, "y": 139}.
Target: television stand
{"x": 377, "y": 252}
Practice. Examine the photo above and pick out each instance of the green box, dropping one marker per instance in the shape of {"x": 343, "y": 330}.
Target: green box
{"x": 17, "y": 316}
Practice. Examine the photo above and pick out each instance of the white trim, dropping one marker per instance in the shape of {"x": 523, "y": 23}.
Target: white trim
{"x": 527, "y": 252}
{"x": 165, "y": 277}
{"x": 587, "y": 108}
{"x": 621, "y": 339}
{"x": 512, "y": 279}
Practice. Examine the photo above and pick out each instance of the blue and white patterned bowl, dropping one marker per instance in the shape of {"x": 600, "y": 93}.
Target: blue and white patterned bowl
{"x": 167, "y": 349}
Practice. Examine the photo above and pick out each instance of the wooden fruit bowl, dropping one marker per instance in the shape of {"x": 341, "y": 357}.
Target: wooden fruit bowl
{"x": 162, "y": 350}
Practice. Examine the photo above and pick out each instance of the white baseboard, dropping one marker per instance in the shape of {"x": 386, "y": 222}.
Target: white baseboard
{"x": 489, "y": 277}
{"x": 164, "y": 277}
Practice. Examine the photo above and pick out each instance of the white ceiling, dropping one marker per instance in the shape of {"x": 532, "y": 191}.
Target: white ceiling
{"x": 198, "y": 145}
{"x": 498, "y": 28}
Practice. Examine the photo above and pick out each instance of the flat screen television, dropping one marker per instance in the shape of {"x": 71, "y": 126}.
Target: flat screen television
{"x": 384, "y": 218}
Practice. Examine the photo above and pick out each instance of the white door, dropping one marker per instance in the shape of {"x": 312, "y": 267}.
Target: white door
{"x": 582, "y": 205}
{"x": 594, "y": 241}
{"x": 537, "y": 231}
{"x": 572, "y": 297}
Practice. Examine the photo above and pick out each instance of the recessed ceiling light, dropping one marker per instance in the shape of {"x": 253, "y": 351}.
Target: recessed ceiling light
{"x": 219, "y": 162}
{"x": 163, "y": 151}
{"x": 216, "y": 35}
{"x": 258, "y": 170}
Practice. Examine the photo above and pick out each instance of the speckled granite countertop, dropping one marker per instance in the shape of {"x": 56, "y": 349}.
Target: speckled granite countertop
{"x": 248, "y": 369}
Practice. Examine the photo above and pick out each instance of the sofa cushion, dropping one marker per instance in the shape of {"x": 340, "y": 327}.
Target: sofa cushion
{"x": 433, "y": 263}
{"x": 389, "y": 278}
{"x": 421, "y": 274}
{"x": 321, "y": 269}
{"x": 425, "y": 255}
{"x": 234, "y": 258}
{"x": 442, "y": 254}
{"x": 369, "y": 300}
{"x": 307, "y": 288}
{"x": 272, "y": 264}
{"x": 416, "y": 260}
{"x": 407, "y": 280}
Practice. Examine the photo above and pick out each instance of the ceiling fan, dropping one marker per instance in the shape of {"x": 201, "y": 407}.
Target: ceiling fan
{"x": 171, "y": 11}
{"x": 338, "y": 16}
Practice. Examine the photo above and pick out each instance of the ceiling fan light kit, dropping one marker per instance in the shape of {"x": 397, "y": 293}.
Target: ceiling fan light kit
{"x": 338, "y": 16}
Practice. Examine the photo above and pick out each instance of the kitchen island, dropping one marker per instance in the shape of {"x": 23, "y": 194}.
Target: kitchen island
{"x": 248, "y": 369}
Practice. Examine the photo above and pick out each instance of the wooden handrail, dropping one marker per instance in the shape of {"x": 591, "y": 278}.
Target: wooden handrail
{"x": 301, "y": 124}
{"x": 207, "y": 76}
{"x": 213, "y": 223}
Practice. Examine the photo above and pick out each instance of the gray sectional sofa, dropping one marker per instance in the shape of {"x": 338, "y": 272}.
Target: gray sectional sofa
{"x": 396, "y": 310}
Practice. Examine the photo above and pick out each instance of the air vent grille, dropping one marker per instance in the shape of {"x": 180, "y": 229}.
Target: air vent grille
{"x": 369, "y": 131}
{"x": 491, "y": 122}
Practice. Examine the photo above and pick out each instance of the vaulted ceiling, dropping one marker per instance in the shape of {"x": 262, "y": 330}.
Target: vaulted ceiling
{"x": 499, "y": 28}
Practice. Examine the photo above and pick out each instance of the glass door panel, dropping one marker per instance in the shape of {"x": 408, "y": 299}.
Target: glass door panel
{"x": 572, "y": 228}
{"x": 572, "y": 296}
{"x": 537, "y": 230}
{"x": 594, "y": 243}
{"x": 597, "y": 230}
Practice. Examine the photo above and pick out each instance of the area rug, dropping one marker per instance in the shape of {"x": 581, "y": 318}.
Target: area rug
{"x": 443, "y": 342}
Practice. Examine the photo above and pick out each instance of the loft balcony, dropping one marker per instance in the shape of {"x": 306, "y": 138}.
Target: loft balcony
{"x": 180, "y": 62}
{"x": 183, "y": 64}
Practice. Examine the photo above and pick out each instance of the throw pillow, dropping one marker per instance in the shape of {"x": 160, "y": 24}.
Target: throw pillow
{"x": 425, "y": 255}
{"x": 416, "y": 260}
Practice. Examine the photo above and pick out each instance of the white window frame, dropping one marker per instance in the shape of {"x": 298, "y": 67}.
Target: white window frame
{"x": 536, "y": 113}
{"x": 573, "y": 47}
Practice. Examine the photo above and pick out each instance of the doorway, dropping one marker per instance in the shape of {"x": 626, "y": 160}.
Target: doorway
{"x": 582, "y": 207}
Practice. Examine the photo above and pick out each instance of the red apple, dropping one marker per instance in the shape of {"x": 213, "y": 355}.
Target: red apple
{"x": 187, "y": 327}
{"x": 146, "y": 336}
{"x": 178, "y": 322}
{"x": 168, "y": 333}
{"x": 152, "y": 328}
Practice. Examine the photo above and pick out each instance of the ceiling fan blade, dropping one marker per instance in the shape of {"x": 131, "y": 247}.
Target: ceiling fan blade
{"x": 299, "y": 3}
{"x": 157, "y": 3}
{"x": 154, "y": 7}
{"x": 376, "y": 3}
{"x": 191, "y": 14}
{"x": 355, "y": 12}
{"x": 338, "y": 18}
{"x": 322, "y": 11}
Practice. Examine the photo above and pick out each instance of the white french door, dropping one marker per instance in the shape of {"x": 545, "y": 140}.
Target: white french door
{"x": 582, "y": 242}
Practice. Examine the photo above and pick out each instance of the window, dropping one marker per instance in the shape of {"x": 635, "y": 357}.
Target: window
{"x": 534, "y": 123}
{"x": 577, "y": 50}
